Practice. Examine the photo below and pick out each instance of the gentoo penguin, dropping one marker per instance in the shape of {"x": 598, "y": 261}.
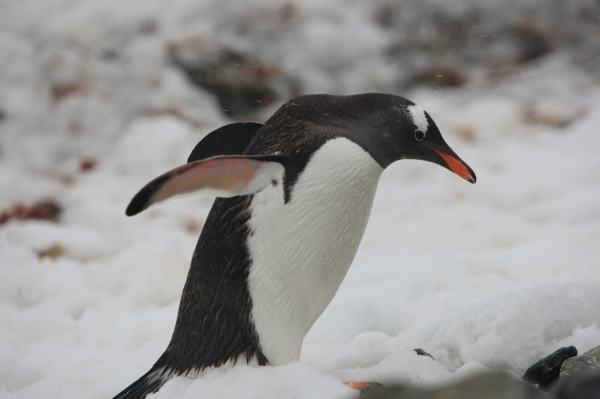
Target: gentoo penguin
{"x": 294, "y": 196}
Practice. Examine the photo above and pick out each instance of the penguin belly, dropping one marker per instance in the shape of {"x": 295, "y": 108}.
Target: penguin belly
{"x": 301, "y": 250}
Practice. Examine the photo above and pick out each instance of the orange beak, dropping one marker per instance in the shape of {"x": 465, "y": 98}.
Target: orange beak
{"x": 457, "y": 166}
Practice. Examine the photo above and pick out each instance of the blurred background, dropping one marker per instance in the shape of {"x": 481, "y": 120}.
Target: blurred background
{"x": 76, "y": 69}
{"x": 97, "y": 98}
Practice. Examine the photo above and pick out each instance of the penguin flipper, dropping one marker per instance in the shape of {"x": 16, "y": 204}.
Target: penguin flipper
{"x": 225, "y": 176}
{"x": 230, "y": 139}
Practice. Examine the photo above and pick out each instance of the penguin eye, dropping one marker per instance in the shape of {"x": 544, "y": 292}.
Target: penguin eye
{"x": 419, "y": 135}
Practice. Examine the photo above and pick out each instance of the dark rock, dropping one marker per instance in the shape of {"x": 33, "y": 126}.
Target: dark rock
{"x": 482, "y": 36}
{"x": 534, "y": 43}
{"x": 441, "y": 76}
{"x": 384, "y": 15}
{"x": 53, "y": 251}
{"x": 550, "y": 118}
{"x": 148, "y": 27}
{"x": 422, "y": 352}
{"x": 60, "y": 91}
{"x": 20, "y": 211}
{"x": 109, "y": 54}
{"x": 584, "y": 385}
{"x": 545, "y": 372}
{"x": 288, "y": 11}
{"x": 483, "y": 386}
{"x": 241, "y": 84}
{"x": 45, "y": 210}
{"x": 589, "y": 361}
{"x": 87, "y": 164}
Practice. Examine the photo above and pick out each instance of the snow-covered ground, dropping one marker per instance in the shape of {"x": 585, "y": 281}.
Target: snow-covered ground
{"x": 487, "y": 276}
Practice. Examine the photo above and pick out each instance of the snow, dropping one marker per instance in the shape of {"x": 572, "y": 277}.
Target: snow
{"x": 491, "y": 276}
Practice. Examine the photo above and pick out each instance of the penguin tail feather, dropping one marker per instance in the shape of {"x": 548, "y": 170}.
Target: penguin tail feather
{"x": 149, "y": 383}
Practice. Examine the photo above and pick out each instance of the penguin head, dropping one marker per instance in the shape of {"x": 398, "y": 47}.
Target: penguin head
{"x": 416, "y": 136}
{"x": 392, "y": 128}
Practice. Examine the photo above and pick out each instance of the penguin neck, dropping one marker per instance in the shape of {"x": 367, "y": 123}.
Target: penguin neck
{"x": 301, "y": 250}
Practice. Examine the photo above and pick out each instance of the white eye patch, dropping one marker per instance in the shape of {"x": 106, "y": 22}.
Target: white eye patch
{"x": 419, "y": 118}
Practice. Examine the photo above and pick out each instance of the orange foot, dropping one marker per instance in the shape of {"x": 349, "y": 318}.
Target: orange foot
{"x": 358, "y": 384}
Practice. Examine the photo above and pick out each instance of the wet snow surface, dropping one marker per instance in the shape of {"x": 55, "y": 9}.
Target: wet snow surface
{"x": 488, "y": 276}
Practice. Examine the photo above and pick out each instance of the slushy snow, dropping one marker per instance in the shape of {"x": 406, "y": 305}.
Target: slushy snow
{"x": 491, "y": 276}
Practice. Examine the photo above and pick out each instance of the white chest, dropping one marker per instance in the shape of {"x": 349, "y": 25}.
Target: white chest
{"x": 302, "y": 250}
